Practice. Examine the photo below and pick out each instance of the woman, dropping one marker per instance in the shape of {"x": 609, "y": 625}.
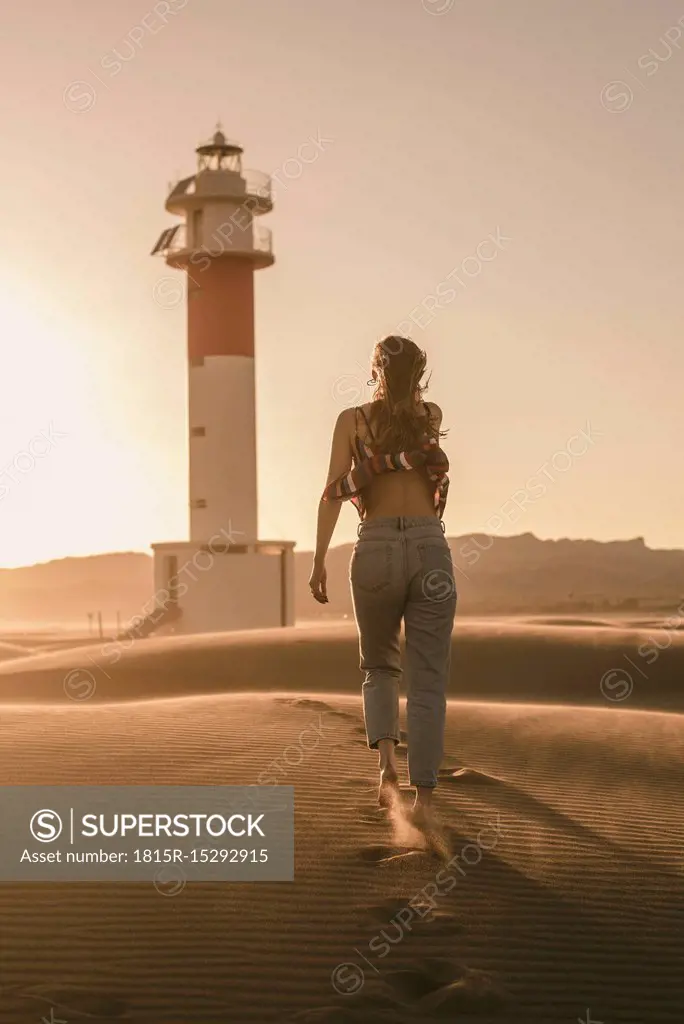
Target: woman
{"x": 387, "y": 460}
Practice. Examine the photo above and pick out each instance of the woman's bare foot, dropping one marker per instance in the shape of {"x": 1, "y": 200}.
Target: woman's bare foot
{"x": 388, "y": 791}
{"x": 423, "y": 818}
{"x": 422, "y": 813}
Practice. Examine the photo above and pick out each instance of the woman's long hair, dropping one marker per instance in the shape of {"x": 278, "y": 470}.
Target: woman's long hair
{"x": 398, "y": 368}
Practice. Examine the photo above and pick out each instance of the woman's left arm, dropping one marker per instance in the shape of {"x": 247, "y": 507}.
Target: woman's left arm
{"x": 329, "y": 511}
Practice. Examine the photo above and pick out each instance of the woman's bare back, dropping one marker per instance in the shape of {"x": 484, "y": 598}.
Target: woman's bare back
{"x": 399, "y": 494}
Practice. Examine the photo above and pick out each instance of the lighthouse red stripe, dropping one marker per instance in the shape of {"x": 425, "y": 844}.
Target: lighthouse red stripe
{"x": 221, "y": 309}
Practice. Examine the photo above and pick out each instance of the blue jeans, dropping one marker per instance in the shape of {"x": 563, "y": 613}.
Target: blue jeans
{"x": 401, "y": 567}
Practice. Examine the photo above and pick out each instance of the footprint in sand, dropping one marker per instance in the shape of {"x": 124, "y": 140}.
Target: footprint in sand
{"x": 318, "y": 705}
{"x": 414, "y": 916}
{"x": 439, "y": 987}
{"x": 303, "y": 702}
{"x": 387, "y": 854}
{"x": 79, "y": 1002}
{"x": 468, "y": 775}
{"x": 435, "y": 989}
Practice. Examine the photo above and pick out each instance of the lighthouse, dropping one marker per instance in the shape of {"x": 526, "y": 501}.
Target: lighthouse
{"x": 223, "y": 576}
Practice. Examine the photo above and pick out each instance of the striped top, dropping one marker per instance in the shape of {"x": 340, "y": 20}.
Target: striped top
{"x": 367, "y": 464}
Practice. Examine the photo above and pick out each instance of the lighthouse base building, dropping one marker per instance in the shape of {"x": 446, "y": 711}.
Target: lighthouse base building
{"x": 211, "y": 589}
{"x": 223, "y": 577}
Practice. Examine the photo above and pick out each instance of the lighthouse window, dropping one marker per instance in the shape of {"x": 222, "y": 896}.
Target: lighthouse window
{"x": 198, "y": 432}
{"x": 198, "y": 503}
{"x": 197, "y": 227}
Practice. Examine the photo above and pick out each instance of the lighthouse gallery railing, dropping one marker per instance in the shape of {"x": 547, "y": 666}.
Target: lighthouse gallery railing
{"x": 223, "y": 240}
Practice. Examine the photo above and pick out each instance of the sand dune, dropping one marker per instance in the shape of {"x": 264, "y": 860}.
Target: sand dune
{"x": 669, "y": 624}
{"x": 492, "y": 660}
{"x": 564, "y": 887}
{"x": 565, "y": 837}
{"x": 8, "y": 649}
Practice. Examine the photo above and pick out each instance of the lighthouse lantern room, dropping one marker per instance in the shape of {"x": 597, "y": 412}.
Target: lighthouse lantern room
{"x": 239, "y": 581}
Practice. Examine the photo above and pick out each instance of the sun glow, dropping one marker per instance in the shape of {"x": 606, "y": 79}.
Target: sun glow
{"x": 52, "y": 452}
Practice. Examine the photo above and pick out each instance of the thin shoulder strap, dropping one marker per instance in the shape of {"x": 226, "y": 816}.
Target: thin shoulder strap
{"x": 370, "y": 432}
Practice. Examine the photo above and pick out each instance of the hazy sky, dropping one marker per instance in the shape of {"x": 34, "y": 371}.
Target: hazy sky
{"x": 547, "y": 125}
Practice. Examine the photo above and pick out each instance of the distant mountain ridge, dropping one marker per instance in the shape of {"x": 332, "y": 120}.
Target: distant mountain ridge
{"x": 493, "y": 574}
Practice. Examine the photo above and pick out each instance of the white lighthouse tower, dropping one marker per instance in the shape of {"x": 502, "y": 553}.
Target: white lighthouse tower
{"x": 223, "y": 577}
